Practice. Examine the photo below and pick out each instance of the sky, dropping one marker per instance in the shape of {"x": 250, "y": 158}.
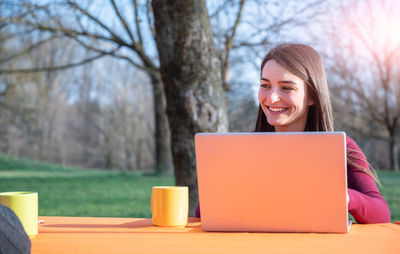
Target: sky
{"x": 255, "y": 26}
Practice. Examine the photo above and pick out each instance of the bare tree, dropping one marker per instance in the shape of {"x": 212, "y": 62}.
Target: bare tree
{"x": 41, "y": 120}
{"x": 38, "y": 121}
{"x": 192, "y": 77}
{"x": 243, "y": 33}
{"x": 364, "y": 70}
{"x": 250, "y": 27}
{"x": 109, "y": 122}
{"x": 129, "y": 35}
{"x": 120, "y": 38}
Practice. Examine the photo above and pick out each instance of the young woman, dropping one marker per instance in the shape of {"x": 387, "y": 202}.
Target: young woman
{"x": 294, "y": 96}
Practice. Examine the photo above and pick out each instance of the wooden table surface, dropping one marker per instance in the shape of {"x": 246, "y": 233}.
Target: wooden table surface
{"x": 134, "y": 235}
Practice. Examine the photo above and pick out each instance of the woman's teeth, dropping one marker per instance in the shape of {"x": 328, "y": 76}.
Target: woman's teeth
{"x": 276, "y": 109}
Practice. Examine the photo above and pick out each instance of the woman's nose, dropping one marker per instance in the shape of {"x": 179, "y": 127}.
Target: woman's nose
{"x": 273, "y": 97}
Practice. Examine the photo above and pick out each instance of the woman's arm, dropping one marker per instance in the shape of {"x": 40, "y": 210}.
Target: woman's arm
{"x": 366, "y": 203}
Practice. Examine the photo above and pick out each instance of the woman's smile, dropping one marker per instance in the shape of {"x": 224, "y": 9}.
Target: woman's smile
{"x": 283, "y": 97}
{"x": 276, "y": 110}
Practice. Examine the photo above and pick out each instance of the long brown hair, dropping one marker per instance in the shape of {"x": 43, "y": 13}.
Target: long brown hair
{"x": 304, "y": 62}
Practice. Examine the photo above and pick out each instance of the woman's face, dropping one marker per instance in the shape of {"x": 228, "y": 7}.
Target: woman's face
{"x": 283, "y": 98}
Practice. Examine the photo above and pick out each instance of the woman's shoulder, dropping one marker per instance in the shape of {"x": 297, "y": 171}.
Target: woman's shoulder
{"x": 350, "y": 143}
{"x": 353, "y": 148}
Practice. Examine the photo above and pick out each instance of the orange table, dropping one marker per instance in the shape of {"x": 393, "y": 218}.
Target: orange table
{"x": 133, "y": 235}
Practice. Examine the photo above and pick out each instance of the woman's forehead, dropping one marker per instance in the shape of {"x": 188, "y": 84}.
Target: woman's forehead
{"x": 273, "y": 71}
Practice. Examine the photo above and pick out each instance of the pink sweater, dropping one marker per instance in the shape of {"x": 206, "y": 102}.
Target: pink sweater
{"x": 366, "y": 203}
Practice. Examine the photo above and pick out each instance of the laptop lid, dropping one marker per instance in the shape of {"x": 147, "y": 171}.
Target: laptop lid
{"x": 272, "y": 182}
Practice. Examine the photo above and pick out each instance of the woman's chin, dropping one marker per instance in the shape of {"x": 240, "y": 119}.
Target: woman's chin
{"x": 275, "y": 125}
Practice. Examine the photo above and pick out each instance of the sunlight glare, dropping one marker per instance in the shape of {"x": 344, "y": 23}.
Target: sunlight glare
{"x": 372, "y": 26}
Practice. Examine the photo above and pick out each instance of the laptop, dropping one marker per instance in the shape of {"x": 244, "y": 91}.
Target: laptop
{"x": 272, "y": 182}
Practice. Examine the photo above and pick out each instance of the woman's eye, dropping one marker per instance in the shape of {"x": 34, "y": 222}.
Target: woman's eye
{"x": 287, "y": 88}
{"x": 265, "y": 86}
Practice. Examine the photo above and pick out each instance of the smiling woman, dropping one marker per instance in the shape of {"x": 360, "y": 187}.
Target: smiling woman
{"x": 283, "y": 98}
{"x": 294, "y": 96}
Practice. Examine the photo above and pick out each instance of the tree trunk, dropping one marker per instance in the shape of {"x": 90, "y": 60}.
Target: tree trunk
{"x": 191, "y": 74}
{"x": 164, "y": 162}
{"x": 394, "y": 158}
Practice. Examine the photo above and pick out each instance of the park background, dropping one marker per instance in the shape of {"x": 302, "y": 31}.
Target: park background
{"x": 90, "y": 120}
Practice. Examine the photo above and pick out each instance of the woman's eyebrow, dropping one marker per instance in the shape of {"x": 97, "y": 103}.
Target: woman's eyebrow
{"x": 287, "y": 82}
{"x": 281, "y": 81}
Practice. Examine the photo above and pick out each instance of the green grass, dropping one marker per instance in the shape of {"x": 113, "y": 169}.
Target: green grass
{"x": 391, "y": 191}
{"x": 65, "y": 191}
{"x": 81, "y": 192}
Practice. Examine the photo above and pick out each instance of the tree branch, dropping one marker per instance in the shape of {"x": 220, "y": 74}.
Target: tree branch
{"x": 148, "y": 11}
{"x": 54, "y": 68}
{"x": 122, "y": 20}
{"x": 147, "y": 64}
{"x": 10, "y": 36}
{"x": 370, "y": 108}
{"x": 69, "y": 32}
{"x": 115, "y": 54}
{"x": 228, "y": 43}
{"x": 137, "y": 22}
{"x": 220, "y": 8}
{"x": 90, "y": 16}
{"x": 224, "y": 56}
{"x": 347, "y": 125}
{"x": 33, "y": 46}
{"x": 134, "y": 46}
{"x": 6, "y": 89}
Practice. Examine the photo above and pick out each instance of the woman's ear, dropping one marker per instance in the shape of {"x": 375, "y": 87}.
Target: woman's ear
{"x": 310, "y": 102}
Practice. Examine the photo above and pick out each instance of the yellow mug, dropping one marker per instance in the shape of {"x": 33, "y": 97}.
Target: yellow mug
{"x": 25, "y": 206}
{"x": 170, "y": 206}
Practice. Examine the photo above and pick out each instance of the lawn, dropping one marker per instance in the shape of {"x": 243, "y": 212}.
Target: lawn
{"x": 391, "y": 191}
{"x": 81, "y": 192}
{"x": 101, "y": 193}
